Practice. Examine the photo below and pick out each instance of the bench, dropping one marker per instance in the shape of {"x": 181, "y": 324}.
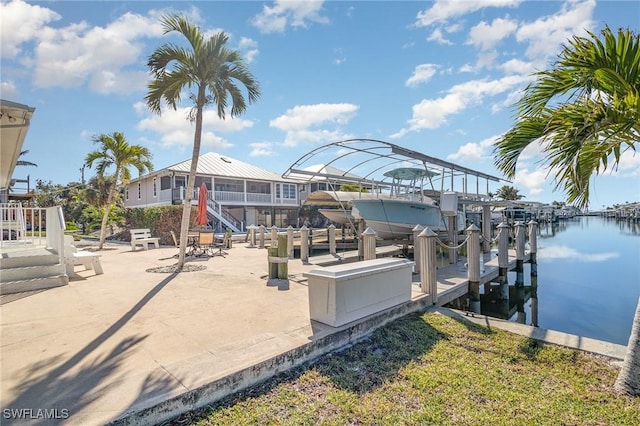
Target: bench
{"x": 74, "y": 257}
{"x": 142, "y": 237}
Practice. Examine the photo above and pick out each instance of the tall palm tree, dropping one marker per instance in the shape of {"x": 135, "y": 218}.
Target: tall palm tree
{"x": 116, "y": 152}
{"x": 586, "y": 110}
{"x": 213, "y": 71}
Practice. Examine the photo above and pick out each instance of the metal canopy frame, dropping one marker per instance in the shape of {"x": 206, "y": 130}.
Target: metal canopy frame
{"x": 369, "y": 159}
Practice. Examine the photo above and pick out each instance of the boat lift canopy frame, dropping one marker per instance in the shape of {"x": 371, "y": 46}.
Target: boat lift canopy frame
{"x": 380, "y": 157}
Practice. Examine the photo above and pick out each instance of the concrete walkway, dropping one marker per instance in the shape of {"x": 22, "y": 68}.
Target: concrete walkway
{"x": 137, "y": 347}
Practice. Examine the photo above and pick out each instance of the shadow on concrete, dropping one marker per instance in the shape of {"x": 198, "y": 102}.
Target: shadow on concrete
{"x": 359, "y": 368}
{"x": 63, "y": 388}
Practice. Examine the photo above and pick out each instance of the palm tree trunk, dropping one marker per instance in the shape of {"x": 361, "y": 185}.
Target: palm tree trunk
{"x": 628, "y": 380}
{"x": 186, "y": 211}
{"x": 105, "y": 217}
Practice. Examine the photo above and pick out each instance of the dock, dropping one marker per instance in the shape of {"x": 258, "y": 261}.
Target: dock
{"x": 352, "y": 256}
{"x": 452, "y": 278}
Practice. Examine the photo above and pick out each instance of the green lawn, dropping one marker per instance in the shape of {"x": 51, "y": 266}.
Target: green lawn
{"x": 432, "y": 369}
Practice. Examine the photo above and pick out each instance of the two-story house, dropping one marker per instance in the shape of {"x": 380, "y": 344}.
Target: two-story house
{"x": 238, "y": 194}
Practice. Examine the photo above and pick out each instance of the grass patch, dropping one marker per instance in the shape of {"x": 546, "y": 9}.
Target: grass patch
{"x": 432, "y": 369}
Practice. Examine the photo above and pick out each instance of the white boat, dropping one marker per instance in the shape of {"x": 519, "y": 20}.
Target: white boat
{"x": 339, "y": 216}
{"x": 397, "y": 216}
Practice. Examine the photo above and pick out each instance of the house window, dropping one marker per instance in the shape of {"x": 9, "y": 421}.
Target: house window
{"x": 255, "y": 187}
{"x": 286, "y": 191}
{"x": 155, "y": 188}
{"x": 139, "y": 191}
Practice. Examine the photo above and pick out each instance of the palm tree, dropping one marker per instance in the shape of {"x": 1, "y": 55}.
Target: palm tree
{"x": 586, "y": 110}
{"x": 23, "y": 162}
{"x": 507, "y": 192}
{"x": 116, "y": 152}
{"x": 213, "y": 71}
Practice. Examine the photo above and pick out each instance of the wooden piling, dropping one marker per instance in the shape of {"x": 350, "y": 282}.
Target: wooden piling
{"x": 486, "y": 228}
{"x": 533, "y": 249}
{"x": 272, "y": 268}
{"x": 360, "y": 239}
{"x": 473, "y": 267}
{"x": 417, "y": 230}
{"x": 453, "y": 238}
{"x": 503, "y": 260}
{"x": 274, "y": 236}
{"x": 331, "y": 230}
{"x": 290, "y": 242}
{"x": 261, "y": 236}
{"x": 519, "y": 284}
{"x": 369, "y": 237}
{"x": 427, "y": 259}
{"x": 283, "y": 266}
{"x": 304, "y": 243}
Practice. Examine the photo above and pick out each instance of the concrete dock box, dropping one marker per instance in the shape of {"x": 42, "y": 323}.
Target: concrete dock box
{"x": 344, "y": 293}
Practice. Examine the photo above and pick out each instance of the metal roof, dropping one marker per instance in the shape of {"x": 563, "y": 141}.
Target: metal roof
{"x": 215, "y": 164}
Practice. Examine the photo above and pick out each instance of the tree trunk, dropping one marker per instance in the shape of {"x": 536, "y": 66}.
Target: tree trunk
{"x": 629, "y": 377}
{"x": 107, "y": 209}
{"x": 186, "y": 211}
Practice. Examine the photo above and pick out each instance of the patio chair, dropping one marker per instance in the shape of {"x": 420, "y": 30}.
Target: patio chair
{"x": 175, "y": 239}
{"x": 206, "y": 242}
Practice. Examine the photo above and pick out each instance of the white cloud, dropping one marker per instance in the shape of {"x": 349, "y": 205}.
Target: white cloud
{"x": 261, "y": 149}
{"x": 21, "y": 23}
{"x": 437, "y": 36}
{"x": 421, "y": 74}
{"x": 546, "y": 34}
{"x": 293, "y": 13}
{"x": 77, "y": 54}
{"x": 443, "y": 10}
{"x": 8, "y": 90}
{"x": 486, "y": 36}
{"x": 175, "y": 129}
{"x": 473, "y": 152}
{"x": 558, "y": 252}
{"x": 517, "y": 66}
{"x": 301, "y": 122}
{"x": 433, "y": 113}
{"x": 533, "y": 180}
{"x": 249, "y": 48}
{"x": 628, "y": 166}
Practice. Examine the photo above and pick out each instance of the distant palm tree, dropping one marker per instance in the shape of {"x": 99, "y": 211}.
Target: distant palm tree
{"x": 507, "y": 192}
{"x": 23, "y": 162}
{"x": 116, "y": 152}
{"x": 213, "y": 71}
{"x": 586, "y": 109}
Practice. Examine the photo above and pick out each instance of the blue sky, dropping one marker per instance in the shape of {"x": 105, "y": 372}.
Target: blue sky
{"x": 436, "y": 77}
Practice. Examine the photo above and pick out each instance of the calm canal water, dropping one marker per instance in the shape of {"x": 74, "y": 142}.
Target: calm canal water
{"x": 588, "y": 278}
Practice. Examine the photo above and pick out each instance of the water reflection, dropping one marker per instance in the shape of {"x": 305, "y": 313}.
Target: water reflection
{"x": 494, "y": 305}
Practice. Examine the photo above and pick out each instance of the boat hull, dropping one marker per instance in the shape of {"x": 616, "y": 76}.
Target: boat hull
{"x": 397, "y": 218}
{"x": 339, "y": 216}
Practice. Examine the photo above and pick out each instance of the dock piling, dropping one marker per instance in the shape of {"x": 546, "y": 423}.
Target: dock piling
{"x": 331, "y": 231}
{"x": 427, "y": 260}
{"x": 473, "y": 267}
{"x": 369, "y": 243}
{"x": 304, "y": 243}
{"x": 417, "y": 230}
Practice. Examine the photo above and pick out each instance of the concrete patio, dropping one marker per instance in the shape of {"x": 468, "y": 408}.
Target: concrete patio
{"x": 137, "y": 347}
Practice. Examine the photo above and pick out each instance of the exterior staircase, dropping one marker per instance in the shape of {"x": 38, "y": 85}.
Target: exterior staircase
{"x": 30, "y": 269}
{"x": 217, "y": 211}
